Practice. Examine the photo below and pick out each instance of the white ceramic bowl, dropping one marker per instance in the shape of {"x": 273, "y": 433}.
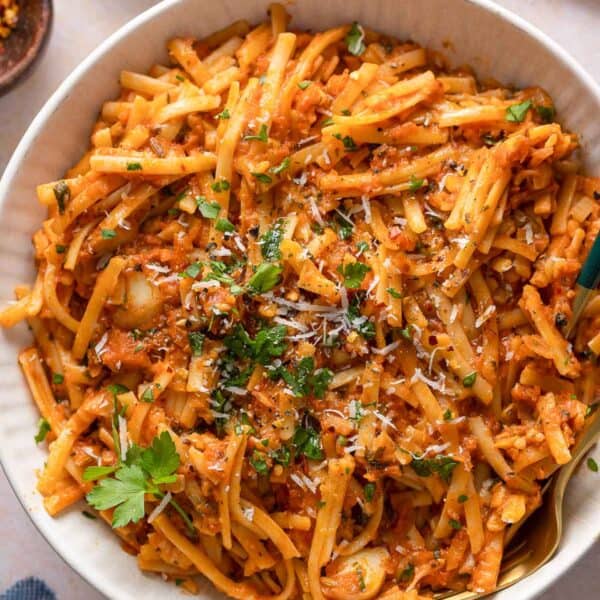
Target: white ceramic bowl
{"x": 495, "y": 42}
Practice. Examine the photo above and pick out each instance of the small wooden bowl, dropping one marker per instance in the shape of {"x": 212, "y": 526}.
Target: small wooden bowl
{"x": 26, "y": 42}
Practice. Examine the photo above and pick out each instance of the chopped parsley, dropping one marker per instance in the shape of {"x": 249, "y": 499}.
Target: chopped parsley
{"x": 265, "y": 278}
{"x": 270, "y": 241}
{"x": 108, "y": 234}
{"x": 353, "y": 274}
{"x": 308, "y": 442}
{"x": 224, "y": 226}
{"x": 263, "y": 135}
{"x": 60, "y": 249}
{"x": 268, "y": 344}
{"x": 469, "y": 380}
{"x": 456, "y": 525}
{"x": 304, "y": 84}
{"x": 209, "y": 210}
{"x": 393, "y": 293}
{"x": 462, "y": 498}
{"x": 43, "y": 430}
{"x": 282, "y": 166}
{"x": 259, "y": 463}
{"x": 355, "y": 40}
{"x": 192, "y": 271}
{"x": 440, "y": 465}
{"x": 57, "y": 378}
{"x": 347, "y": 141}
{"x": 407, "y": 573}
{"x": 282, "y": 456}
{"x": 262, "y": 177}
{"x": 304, "y": 380}
{"x": 134, "y": 166}
{"x": 148, "y": 395}
{"x": 224, "y": 114}
{"x": 516, "y": 113}
{"x": 220, "y": 186}
{"x": 359, "y": 322}
{"x": 369, "y": 491}
{"x": 62, "y": 193}
{"x": 447, "y": 415}
{"x": 362, "y": 247}
{"x": 546, "y": 113}
{"x": 415, "y": 183}
{"x": 196, "y": 340}
{"x": 592, "y": 465}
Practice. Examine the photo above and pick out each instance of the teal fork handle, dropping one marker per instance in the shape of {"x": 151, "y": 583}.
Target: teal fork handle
{"x": 590, "y": 272}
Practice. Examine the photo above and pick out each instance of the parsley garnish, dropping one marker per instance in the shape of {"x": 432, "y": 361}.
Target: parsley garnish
{"x": 62, "y": 193}
{"x": 456, "y": 525}
{"x": 359, "y": 322}
{"x": 393, "y": 293}
{"x": 353, "y": 274}
{"x": 268, "y": 343}
{"x": 57, "y": 378}
{"x": 361, "y": 247}
{"x": 547, "y": 113}
{"x": 262, "y": 177}
{"x": 224, "y": 114}
{"x": 263, "y": 135}
{"x": 369, "y": 491}
{"x": 148, "y": 395}
{"x": 415, "y": 184}
{"x": 349, "y": 143}
{"x": 60, "y": 249}
{"x": 442, "y": 465}
{"x": 224, "y": 226}
{"x": 141, "y": 473}
{"x": 179, "y": 77}
{"x": 304, "y": 380}
{"x": 516, "y": 113}
{"x": 265, "y": 278}
{"x": 282, "y": 456}
{"x": 134, "y": 166}
{"x": 462, "y": 499}
{"x": 209, "y": 210}
{"x": 43, "y": 430}
{"x": 447, "y": 415}
{"x": 304, "y": 84}
{"x": 220, "y": 186}
{"x": 271, "y": 240}
{"x": 258, "y": 462}
{"x": 469, "y": 380}
{"x": 308, "y": 442}
{"x": 355, "y": 40}
{"x": 108, "y": 234}
{"x": 408, "y": 573}
{"x": 196, "y": 340}
{"x": 344, "y": 226}
{"x": 592, "y": 465}
{"x": 282, "y": 166}
{"x": 191, "y": 271}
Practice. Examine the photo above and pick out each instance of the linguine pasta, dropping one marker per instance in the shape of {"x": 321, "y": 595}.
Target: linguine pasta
{"x": 298, "y": 316}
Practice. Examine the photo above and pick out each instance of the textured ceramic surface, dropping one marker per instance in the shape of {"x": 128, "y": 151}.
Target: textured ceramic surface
{"x": 480, "y": 34}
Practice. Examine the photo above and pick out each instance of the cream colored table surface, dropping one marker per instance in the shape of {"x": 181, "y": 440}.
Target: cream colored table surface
{"x": 78, "y": 27}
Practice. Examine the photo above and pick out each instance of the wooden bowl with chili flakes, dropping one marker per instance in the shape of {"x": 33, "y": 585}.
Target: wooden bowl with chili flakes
{"x": 24, "y": 30}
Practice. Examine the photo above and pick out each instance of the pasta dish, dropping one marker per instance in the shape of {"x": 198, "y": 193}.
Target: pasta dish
{"x": 299, "y": 316}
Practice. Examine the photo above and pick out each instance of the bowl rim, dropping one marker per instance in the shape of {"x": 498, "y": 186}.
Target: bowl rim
{"x": 99, "y": 583}
{"x": 34, "y": 51}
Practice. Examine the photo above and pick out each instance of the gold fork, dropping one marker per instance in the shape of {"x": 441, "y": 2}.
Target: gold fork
{"x": 541, "y": 531}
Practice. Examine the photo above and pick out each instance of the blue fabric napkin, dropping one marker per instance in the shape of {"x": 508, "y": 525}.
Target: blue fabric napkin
{"x": 31, "y": 588}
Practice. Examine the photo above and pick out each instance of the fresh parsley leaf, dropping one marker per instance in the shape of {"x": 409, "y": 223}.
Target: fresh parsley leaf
{"x": 304, "y": 84}
{"x": 407, "y": 574}
{"x": 220, "y": 186}
{"x": 265, "y": 278}
{"x": 362, "y": 247}
{"x": 258, "y": 462}
{"x": 148, "y": 395}
{"x": 369, "y": 491}
{"x": 320, "y": 381}
{"x": 161, "y": 460}
{"x": 116, "y": 389}
{"x": 125, "y": 492}
{"x": 347, "y": 141}
{"x": 134, "y": 166}
{"x": 344, "y": 227}
{"x": 262, "y": 177}
{"x": 282, "y": 166}
{"x": 209, "y": 210}
{"x": 224, "y": 226}
{"x": 93, "y": 473}
{"x": 358, "y": 321}
{"x": 60, "y": 249}
{"x": 469, "y": 380}
{"x": 546, "y": 113}
{"x": 180, "y": 77}
{"x": 308, "y": 442}
{"x": 353, "y": 274}
{"x": 62, "y": 193}
{"x": 342, "y": 440}
{"x": 263, "y": 135}
{"x": 393, "y": 293}
{"x": 327, "y": 122}
{"x": 269, "y": 343}
{"x": 108, "y": 234}
{"x": 462, "y": 498}
{"x": 282, "y": 456}
{"x": 592, "y": 465}
{"x": 456, "y": 525}
{"x": 516, "y": 113}
{"x": 43, "y": 430}
{"x": 346, "y": 112}
{"x": 224, "y": 114}
{"x": 270, "y": 241}
{"x": 442, "y": 465}
{"x": 415, "y": 184}
{"x": 196, "y": 340}
{"x": 192, "y": 271}
{"x": 57, "y": 378}
{"x": 355, "y": 40}
{"x": 447, "y": 415}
